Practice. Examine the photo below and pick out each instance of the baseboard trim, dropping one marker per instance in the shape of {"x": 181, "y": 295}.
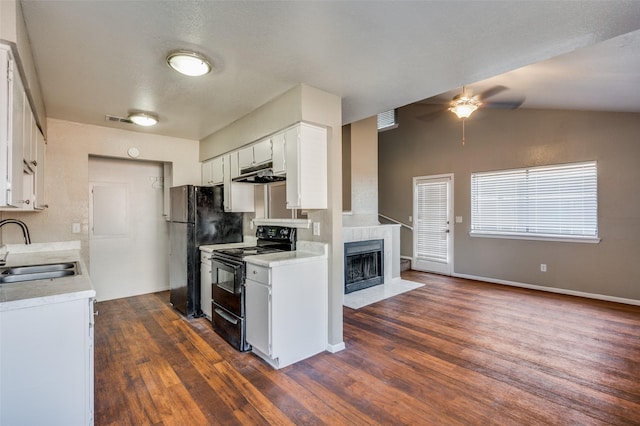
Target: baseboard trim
{"x": 552, "y": 289}
{"x": 336, "y": 348}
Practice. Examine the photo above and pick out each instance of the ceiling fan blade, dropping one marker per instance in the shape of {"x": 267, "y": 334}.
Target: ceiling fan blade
{"x": 492, "y": 92}
{"x": 505, "y": 104}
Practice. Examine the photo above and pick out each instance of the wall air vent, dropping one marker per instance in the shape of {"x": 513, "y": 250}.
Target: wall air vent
{"x": 118, "y": 119}
{"x": 387, "y": 120}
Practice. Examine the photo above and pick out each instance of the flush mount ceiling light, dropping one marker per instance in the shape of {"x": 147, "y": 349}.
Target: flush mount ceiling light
{"x": 143, "y": 118}
{"x": 188, "y": 63}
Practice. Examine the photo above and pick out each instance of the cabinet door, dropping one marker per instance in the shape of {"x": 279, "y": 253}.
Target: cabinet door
{"x": 293, "y": 175}
{"x": 245, "y": 157}
{"x": 238, "y": 197}
{"x": 258, "y": 316}
{"x": 41, "y": 201}
{"x": 262, "y": 151}
{"x": 217, "y": 170}
{"x": 207, "y": 172}
{"x": 15, "y": 193}
{"x": 307, "y": 168}
{"x": 278, "y": 153}
{"x": 205, "y": 288}
{"x": 5, "y": 121}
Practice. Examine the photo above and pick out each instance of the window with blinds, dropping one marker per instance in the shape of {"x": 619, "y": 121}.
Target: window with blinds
{"x": 550, "y": 202}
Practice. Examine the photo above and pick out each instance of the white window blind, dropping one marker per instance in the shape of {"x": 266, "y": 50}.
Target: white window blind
{"x": 556, "y": 202}
{"x": 431, "y": 243}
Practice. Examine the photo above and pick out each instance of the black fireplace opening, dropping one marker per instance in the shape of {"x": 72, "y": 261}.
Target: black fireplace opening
{"x": 363, "y": 264}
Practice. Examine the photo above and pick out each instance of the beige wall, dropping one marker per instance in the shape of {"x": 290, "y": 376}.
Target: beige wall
{"x": 301, "y": 103}
{"x": 498, "y": 139}
{"x": 67, "y": 175}
{"x": 364, "y": 172}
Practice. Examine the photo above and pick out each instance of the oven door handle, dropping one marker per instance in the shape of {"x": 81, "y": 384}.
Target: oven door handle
{"x": 226, "y": 316}
{"x": 233, "y": 266}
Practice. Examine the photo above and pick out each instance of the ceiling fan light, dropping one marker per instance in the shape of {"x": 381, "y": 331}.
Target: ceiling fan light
{"x": 143, "y": 119}
{"x": 463, "y": 106}
{"x": 189, "y": 63}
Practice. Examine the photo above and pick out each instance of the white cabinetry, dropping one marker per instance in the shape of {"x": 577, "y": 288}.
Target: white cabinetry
{"x": 279, "y": 154}
{"x": 21, "y": 157}
{"x": 256, "y": 154}
{"x": 205, "y": 284}
{"x": 47, "y": 364}
{"x": 306, "y": 165}
{"x": 238, "y": 197}
{"x": 212, "y": 172}
{"x": 286, "y": 310}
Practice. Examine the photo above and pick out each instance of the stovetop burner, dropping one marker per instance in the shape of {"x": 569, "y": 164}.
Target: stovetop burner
{"x": 271, "y": 239}
{"x": 242, "y": 252}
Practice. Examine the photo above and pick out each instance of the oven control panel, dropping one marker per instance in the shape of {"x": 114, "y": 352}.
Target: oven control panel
{"x": 276, "y": 233}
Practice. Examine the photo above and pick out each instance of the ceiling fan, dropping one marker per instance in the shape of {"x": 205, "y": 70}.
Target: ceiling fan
{"x": 465, "y": 103}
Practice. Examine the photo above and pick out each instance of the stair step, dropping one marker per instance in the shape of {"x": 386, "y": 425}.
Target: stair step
{"x": 405, "y": 264}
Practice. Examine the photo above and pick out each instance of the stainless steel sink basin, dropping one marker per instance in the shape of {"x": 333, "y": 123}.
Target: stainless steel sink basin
{"x": 16, "y": 274}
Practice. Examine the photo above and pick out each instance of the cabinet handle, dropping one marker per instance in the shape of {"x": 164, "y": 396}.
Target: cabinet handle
{"x": 35, "y": 163}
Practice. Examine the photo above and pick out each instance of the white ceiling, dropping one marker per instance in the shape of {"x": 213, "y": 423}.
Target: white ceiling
{"x": 108, "y": 57}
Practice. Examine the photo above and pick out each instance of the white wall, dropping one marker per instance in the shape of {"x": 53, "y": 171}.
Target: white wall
{"x": 69, "y": 146}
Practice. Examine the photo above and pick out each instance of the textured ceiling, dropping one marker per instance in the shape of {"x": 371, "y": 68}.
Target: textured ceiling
{"x": 108, "y": 57}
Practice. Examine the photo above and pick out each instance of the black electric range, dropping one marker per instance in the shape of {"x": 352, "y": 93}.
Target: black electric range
{"x": 228, "y": 272}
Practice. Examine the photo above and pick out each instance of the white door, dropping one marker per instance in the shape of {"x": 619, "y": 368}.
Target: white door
{"x": 433, "y": 224}
{"x": 128, "y": 234}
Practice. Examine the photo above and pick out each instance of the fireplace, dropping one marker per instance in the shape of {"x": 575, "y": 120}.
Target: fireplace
{"x": 363, "y": 264}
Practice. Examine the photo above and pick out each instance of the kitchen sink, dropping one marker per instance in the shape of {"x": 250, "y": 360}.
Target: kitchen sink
{"x": 16, "y": 274}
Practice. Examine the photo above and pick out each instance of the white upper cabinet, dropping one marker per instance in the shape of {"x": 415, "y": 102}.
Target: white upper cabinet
{"x": 238, "y": 197}
{"x": 21, "y": 142}
{"x": 256, "y": 154}
{"x": 279, "y": 154}
{"x": 306, "y": 165}
{"x": 212, "y": 172}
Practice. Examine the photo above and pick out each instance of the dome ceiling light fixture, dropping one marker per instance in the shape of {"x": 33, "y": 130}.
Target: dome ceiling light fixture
{"x": 143, "y": 118}
{"x": 463, "y": 106}
{"x": 188, "y": 63}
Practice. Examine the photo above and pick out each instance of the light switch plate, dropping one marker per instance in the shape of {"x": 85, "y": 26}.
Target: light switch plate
{"x": 458, "y": 219}
{"x": 75, "y": 228}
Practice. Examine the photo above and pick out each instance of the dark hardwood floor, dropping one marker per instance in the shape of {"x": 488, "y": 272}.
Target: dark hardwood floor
{"x": 454, "y": 352}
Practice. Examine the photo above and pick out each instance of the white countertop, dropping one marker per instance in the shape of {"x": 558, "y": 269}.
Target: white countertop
{"x": 305, "y": 251}
{"x": 40, "y": 292}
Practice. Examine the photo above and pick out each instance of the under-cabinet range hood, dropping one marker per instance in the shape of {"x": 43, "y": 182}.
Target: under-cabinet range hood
{"x": 261, "y": 173}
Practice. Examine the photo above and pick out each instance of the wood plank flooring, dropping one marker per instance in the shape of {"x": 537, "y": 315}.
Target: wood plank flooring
{"x": 454, "y": 352}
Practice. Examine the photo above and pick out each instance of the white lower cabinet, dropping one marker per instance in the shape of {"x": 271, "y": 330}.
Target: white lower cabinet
{"x": 205, "y": 284}
{"x": 286, "y": 310}
{"x": 46, "y": 353}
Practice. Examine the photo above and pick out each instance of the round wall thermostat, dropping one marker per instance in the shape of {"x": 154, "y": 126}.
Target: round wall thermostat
{"x": 133, "y": 152}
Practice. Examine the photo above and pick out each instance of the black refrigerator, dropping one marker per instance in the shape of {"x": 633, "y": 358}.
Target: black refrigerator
{"x": 196, "y": 218}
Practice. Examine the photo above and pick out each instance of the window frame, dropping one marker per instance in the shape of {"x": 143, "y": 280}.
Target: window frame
{"x": 537, "y": 236}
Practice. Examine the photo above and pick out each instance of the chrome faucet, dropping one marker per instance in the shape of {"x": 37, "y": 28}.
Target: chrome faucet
{"x": 25, "y": 230}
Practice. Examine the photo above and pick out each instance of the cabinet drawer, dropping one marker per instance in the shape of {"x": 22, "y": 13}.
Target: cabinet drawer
{"x": 258, "y": 273}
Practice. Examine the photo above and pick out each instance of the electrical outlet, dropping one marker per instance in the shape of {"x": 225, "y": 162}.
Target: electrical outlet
{"x": 75, "y": 228}
{"x": 543, "y": 267}
{"x": 316, "y": 228}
